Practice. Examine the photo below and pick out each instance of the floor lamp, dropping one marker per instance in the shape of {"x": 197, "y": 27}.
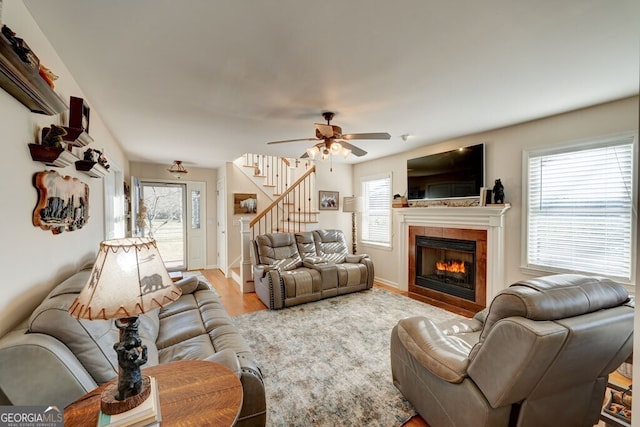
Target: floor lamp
{"x": 354, "y": 205}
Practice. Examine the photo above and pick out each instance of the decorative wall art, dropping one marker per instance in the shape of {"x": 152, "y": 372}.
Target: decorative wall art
{"x": 245, "y": 203}
{"x": 63, "y": 202}
{"x": 328, "y": 200}
{"x": 79, "y": 114}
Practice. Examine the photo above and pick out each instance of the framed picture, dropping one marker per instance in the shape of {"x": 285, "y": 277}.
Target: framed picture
{"x": 63, "y": 202}
{"x": 79, "y": 114}
{"x": 328, "y": 200}
{"x": 245, "y": 203}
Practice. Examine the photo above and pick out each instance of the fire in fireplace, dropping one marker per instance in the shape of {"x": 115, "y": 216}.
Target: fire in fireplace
{"x": 446, "y": 265}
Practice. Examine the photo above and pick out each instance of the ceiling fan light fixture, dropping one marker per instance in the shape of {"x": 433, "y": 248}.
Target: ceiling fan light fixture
{"x": 345, "y": 152}
{"x": 325, "y": 156}
{"x": 177, "y": 170}
{"x": 336, "y": 148}
{"x": 313, "y": 151}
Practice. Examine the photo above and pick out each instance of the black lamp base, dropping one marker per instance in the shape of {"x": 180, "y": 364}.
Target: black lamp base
{"x": 131, "y": 388}
{"x": 112, "y": 406}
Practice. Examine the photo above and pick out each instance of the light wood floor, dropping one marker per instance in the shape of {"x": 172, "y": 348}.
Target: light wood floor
{"x": 237, "y": 303}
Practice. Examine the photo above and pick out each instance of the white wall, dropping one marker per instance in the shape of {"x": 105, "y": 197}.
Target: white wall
{"x": 339, "y": 179}
{"x": 33, "y": 260}
{"x": 503, "y": 160}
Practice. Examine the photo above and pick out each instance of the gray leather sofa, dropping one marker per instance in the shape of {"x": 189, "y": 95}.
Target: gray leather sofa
{"x": 540, "y": 355}
{"x": 52, "y": 358}
{"x": 291, "y": 269}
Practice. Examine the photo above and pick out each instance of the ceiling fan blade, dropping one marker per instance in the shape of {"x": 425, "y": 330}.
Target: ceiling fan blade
{"x": 357, "y": 151}
{"x": 375, "y": 135}
{"x": 292, "y": 140}
{"x": 324, "y": 131}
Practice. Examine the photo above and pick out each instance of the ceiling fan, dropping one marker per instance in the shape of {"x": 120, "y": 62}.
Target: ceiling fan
{"x": 333, "y": 141}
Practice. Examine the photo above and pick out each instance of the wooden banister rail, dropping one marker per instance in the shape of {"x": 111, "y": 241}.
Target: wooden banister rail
{"x": 282, "y": 197}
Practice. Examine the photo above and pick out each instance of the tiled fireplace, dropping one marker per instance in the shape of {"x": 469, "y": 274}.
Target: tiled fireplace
{"x": 452, "y": 256}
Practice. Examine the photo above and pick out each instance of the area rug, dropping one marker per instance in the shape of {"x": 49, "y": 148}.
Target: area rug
{"x": 327, "y": 363}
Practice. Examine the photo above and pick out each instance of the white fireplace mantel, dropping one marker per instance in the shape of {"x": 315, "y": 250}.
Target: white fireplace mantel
{"x": 489, "y": 218}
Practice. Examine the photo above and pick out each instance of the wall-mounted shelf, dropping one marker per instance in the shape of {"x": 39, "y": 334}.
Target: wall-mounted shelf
{"x": 24, "y": 83}
{"x": 93, "y": 169}
{"x": 77, "y": 137}
{"x": 52, "y": 156}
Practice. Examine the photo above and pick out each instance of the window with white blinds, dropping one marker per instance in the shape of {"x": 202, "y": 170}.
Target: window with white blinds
{"x": 580, "y": 208}
{"x": 376, "y": 214}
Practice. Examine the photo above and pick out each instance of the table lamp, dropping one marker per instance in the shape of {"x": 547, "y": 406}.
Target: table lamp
{"x": 354, "y": 205}
{"x": 128, "y": 278}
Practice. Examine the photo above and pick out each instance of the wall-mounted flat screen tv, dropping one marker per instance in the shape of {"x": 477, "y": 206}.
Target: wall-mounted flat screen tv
{"x": 455, "y": 173}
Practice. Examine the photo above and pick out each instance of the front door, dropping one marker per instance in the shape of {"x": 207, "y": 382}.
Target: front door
{"x": 162, "y": 216}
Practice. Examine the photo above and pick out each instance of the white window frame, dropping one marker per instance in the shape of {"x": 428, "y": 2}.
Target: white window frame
{"x": 363, "y": 222}
{"x": 566, "y": 148}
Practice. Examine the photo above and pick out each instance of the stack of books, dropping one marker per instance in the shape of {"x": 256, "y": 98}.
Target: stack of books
{"x": 146, "y": 414}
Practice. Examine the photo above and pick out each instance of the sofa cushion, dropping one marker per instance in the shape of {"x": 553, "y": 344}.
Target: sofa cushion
{"x": 300, "y": 282}
{"x": 351, "y": 274}
{"x": 198, "y": 326}
{"x": 306, "y": 245}
{"x": 90, "y": 340}
{"x": 278, "y": 249}
{"x": 331, "y": 245}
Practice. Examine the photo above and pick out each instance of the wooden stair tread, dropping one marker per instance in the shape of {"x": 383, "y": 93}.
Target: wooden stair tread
{"x": 269, "y": 185}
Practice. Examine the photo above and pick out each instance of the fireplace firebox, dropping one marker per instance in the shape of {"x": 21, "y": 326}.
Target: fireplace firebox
{"x": 446, "y": 265}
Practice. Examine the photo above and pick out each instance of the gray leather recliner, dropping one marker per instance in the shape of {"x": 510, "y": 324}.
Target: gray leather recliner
{"x": 291, "y": 269}
{"x": 540, "y": 355}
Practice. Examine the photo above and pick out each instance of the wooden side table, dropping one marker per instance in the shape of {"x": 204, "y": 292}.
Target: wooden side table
{"x": 192, "y": 393}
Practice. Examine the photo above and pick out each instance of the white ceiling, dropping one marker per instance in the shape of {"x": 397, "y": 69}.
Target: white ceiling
{"x": 205, "y": 81}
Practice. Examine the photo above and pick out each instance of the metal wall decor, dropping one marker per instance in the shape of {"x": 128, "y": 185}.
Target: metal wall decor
{"x": 63, "y": 202}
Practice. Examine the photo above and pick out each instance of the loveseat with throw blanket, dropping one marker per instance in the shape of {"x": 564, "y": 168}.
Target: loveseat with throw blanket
{"x": 52, "y": 358}
{"x": 540, "y": 355}
{"x": 295, "y": 268}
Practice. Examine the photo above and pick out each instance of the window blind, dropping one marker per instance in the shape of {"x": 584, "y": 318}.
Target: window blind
{"x": 376, "y": 215}
{"x": 580, "y": 209}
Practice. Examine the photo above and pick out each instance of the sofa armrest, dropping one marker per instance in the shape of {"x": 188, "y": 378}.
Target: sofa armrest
{"x": 62, "y": 378}
{"x": 313, "y": 260}
{"x": 328, "y": 272}
{"x": 310, "y": 261}
{"x": 442, "y": 355}
{"x": 355, "y": 258}
{"x": 261, "y": 270}
{"x": 226, "y": 357}
{"x": 276, "y": 291}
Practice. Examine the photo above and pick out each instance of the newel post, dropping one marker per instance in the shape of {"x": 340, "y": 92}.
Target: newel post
{"x": 246, "y": 278}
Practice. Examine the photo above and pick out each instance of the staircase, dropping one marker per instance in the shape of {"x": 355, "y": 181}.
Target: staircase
{"x": 290, "y": 184}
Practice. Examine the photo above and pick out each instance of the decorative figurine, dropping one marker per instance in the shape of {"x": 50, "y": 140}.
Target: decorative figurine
{"x": 53, "y": 136}
{"x": 498, "y": 192}
{"x": 131, "y": 355}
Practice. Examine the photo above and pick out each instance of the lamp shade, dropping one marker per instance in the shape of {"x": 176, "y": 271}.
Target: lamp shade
{"x": 128, "y": 278}
{"x": 352, "y": 204}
